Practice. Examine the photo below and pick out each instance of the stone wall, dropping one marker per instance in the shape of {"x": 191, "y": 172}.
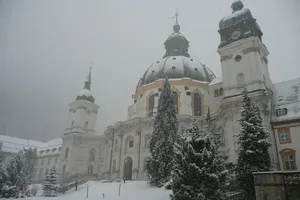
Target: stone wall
{"x": 277, "y": 185}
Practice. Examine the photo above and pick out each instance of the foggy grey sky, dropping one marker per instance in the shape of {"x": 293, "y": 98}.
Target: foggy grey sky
{"x": 46, "y": 47}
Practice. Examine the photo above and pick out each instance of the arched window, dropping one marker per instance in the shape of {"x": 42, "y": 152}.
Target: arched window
{"x": 66, "y": 152}
{"x": 197, "y": 105}
{"x": 175, "y": 97}
{"x": 114, "y": 166}
{"x": 90, "y": 170}
{"x": 288, "y": 159}
{"x": 240, "y": 78}
{"x": 86, "y": 125}
{"x": 92, "y": 155}
{"x": 147, "y": 141}
{"x": 150, "y": 105}
{"x": 216, "y": 92}
{"x": 72, "y": 124}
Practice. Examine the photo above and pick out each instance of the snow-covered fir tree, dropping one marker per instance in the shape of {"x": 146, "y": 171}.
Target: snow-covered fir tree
{"x": 29, "y": 163}
{"x": 50, "y": 186}
{"x": 253, "y": 153}
{"x": 164, "y": 135}
{"x": 199, "y": 172}
{"x": 3, "y": 180}
{"x": 16, "y": 179}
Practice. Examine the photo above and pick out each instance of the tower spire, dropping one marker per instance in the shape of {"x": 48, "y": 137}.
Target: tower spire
{"x": 88, "y": 82}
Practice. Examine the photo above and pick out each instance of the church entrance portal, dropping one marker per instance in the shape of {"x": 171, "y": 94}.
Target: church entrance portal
{"x": 127, "y": 169}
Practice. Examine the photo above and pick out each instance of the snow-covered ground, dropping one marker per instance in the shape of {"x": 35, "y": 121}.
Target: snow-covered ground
{"x": 131, "y": 190}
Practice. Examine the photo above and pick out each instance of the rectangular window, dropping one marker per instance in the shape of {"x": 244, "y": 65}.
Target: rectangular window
{"x": 49, "y": 160}
{"x": 131, "y": 143}
{"x": 281, "y": 112}
{"x": 289, "y": 162}
{"x": 284, "y": 135}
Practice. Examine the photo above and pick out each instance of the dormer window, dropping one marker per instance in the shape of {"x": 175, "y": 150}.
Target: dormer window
{"x": 280, "y": 98}
{"x": 281, "y": 112}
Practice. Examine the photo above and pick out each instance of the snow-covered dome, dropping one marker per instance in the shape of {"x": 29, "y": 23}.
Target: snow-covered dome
{"x": 176, "y": 63}
{"x": 176, "y": 67}
{"x": 85, "y": 94}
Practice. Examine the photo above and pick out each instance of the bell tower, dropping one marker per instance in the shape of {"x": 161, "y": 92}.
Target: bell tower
{"x": 242, "y": 52}
{"x": 83, "y": 111}
{"x": 244, "y": 64}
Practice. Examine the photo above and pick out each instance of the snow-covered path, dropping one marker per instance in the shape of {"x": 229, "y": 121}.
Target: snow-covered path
{"x": 135, "y": 190}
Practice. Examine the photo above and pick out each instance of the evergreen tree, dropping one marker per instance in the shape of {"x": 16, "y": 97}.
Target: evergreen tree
{"x": 16, "y": 179}
{"x": 253, "y": 150}
{"x": 29, "y": 163}
{"x": 50, "y": 186}
{"x": 164, "y": 135}
{"x": 3, "y": 180}
{"x": 199, "y": 172}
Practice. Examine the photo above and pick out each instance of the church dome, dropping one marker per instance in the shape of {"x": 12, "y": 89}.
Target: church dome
{"x": 176, "y": 63}
{"x": 86, "y": 95}
{"x": 173, "y": 67}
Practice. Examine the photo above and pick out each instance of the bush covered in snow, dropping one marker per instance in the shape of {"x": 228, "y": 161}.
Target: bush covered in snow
{"x": 15, "y": 178}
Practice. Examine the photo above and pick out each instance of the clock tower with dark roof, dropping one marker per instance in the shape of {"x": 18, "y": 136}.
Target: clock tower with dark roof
{"x": 243, "y": 54}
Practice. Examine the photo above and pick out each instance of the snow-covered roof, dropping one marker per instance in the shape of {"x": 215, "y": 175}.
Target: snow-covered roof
{"x": 216, "y": 80}
{"x": 14, "y": 145}
{"x": 286, "y": 95}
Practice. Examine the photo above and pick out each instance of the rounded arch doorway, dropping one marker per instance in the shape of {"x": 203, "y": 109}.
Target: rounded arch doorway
{"x": 127, "y": 169}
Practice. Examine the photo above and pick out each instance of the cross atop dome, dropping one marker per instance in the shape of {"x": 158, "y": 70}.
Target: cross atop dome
{"x": 176, "y": 26}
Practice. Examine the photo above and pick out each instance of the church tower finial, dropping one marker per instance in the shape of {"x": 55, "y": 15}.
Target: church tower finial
{"x": 176, "y": 26}
{"x": 88, "y": 82}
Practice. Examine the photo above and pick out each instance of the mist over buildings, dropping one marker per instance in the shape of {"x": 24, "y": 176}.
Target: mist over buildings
{"x": 46, "y": 48}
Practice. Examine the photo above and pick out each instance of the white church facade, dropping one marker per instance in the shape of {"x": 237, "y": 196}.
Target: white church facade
{"x": 121, "y": 152}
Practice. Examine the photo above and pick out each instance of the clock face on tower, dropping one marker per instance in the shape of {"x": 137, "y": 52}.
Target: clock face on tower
{"x": 235, "y": 35}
